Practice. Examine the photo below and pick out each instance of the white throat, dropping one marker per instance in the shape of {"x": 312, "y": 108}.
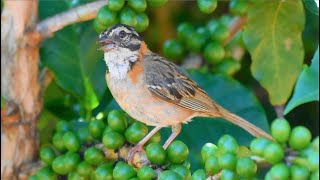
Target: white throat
{"x": 118, "y": 61}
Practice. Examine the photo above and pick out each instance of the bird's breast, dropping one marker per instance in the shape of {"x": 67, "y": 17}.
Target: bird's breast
{"x": 133, "y": 96}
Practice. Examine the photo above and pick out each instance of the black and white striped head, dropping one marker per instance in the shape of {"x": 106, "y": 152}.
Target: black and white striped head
{"x": 120, "y": 36}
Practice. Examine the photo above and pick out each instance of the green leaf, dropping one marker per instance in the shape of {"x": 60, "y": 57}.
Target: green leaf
{"x": 59, "y": 102}
{"x": 231, "y": 95}
{"x": 307, "y": 87}
{"x": 273, "y": 38}
{"x": 77, "y": 65}
{"x": 311, "y": 5}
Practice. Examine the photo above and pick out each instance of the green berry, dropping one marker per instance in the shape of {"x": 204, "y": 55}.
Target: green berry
{"x": 228, "y": 144}
{"x": 84, "y": 135}
{"x": 104, "y": 172}
{"x": 99, "y": 27}
{"x": 155, "y": 153}
{"x": 84, "y": 168}
{"x": 106, "y": 17}
{"x": 136, "y": 132}
{"x": 94, "y": 156}
{"x": 306, "y": 151}
{"x": 173, "y": 49}
{"x": 46, "y": 173}
{"x": 63, "y": 126}
{"x": 58, "y": 165}
{"x": 47, "y": 155}
{"x": 243, "y": 151}
{"x": 96, "y": 128}
{"x": 315, "y": 144}
{"x": 115, "y": 5}
{"x": 214, "y": 52}
{"x": 208, "y": 150}
{"x": 128, "y": 17}
{"x": 258, "y": 145}
{"x": 142, "y": 22}
{"x": 228, "y": 175}
{"x": 273, "y": 153}
{"x": 228, "y": 161}
{"x": 71, "y": 141}
{"x": 239, "y": 7}
{"x": 196, "y": 41}
{"x": 280, "y": 130}
{"x": 300, "y": 138}
{"x": 57, "y": 141}
{"x": 218, "y": 31}
{"x": 228, "y": 66}
{"x": 177, "y": 152}
{"x": 75, "y": 176}
{"x": 113, "y": 140}
{"x": 117, "y": 121}
{"x": 138, "y": 5}
{"x": 184, "y": 30}
{"x": 246, "y": 167}
{"x": 182, "y": 170}
{"x": 212, "y": 165}
{"x": 207, "y": 6}
{"x": 299, "y": 172}
{"x": 71, "y": 160}
{"x": 123, "y": 171}
{"x": 146, "y": 173}
{"x": 313, "y": 161}
{"x": 156, "y": 3}
{"x": 170, "y": 175}
{"x": 280, "y": 171}
{"x": 199, "y": 174}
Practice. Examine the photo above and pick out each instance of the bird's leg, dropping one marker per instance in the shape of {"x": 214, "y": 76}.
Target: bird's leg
{"x": 139, "y": 147}
{"x": 176, "y": 129}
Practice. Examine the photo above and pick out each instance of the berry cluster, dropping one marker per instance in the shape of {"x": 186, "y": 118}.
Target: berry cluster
{"x": 99, "y": 149}
{"x": 131, "y": 14}
{"x": 210, "y": 39}
{"x": 291, "y": 156}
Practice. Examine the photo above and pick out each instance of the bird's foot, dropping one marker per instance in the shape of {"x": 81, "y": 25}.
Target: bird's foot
{"x": 134, "y": 153}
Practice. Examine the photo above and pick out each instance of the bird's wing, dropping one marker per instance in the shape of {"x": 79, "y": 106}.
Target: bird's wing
{"x": 167, "y": 82}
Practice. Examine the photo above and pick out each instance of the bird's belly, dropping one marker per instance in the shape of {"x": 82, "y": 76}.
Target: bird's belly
{"x": 140, "y": 104}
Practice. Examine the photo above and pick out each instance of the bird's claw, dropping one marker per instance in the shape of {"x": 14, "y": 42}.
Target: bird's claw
{"x": 132, "y": 152}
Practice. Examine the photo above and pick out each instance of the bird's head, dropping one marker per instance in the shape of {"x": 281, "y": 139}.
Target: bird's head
{"x": 119, "y": 37}
{"x": 121, "y": 45}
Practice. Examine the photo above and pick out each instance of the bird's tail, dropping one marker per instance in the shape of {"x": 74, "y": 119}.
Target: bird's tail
{"x": 252, "y": 129}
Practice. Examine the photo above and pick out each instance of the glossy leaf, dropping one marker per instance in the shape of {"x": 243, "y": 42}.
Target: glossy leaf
{"x": 311, "y": 6}
{"x": 273, "y": 37}
{"x": 73, "y": 58}
{"x": 307, "y": 87}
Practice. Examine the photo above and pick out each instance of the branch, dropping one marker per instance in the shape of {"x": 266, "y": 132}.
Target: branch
{"x": 49, "y": 26}
{"x": 236, "y": 26}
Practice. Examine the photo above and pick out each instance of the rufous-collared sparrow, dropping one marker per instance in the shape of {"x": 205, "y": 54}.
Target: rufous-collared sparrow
{"x": 155, "y": 91}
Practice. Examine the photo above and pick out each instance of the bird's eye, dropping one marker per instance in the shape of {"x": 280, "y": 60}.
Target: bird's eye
{"x": 122, "y": 34}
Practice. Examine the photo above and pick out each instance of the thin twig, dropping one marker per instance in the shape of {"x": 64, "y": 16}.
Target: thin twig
{"x": 235, "y": 27}
{"x": 279, "y": 110}
{"x": 82, "y": 13}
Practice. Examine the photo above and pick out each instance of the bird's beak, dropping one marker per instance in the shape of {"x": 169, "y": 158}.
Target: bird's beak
{"x": 107, "y": 44}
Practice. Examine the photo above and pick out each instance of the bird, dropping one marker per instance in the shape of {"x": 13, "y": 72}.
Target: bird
{"x": 155, "y": 91}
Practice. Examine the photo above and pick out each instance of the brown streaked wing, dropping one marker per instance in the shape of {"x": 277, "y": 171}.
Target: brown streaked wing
{"x": 167, "y": 82}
